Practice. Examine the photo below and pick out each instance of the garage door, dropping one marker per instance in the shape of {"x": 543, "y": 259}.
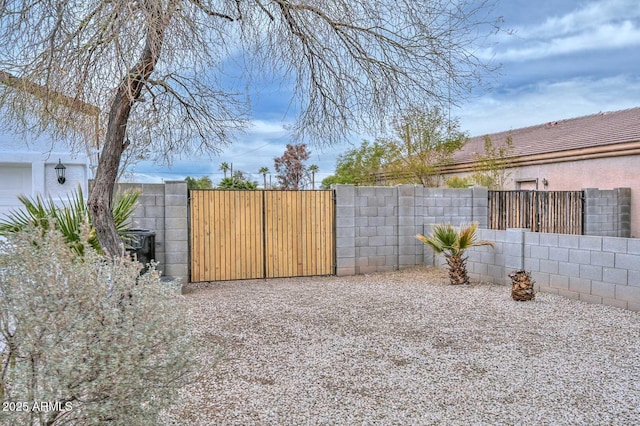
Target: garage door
{"x": 15, "y": 179}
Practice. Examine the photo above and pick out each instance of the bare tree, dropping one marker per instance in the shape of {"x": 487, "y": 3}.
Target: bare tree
{"x": 291, "y": 168}
{"x": 154, "y": 69}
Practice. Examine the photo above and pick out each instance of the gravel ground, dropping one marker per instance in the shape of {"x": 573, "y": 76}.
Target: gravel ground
{"x": 405, "y": 348}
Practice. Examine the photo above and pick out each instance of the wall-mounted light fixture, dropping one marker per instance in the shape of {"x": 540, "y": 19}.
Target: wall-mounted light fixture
{"x": 60, "y": 169}
{"x": 545, "y": 182}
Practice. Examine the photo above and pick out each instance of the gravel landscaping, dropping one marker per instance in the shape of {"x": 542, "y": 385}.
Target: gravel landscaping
{"x": 406, "y": 348}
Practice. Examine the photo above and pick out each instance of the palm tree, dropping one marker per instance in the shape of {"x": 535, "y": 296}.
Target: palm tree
{"x": 453, "y": 243}
{"x": 225, "y": 168}
{"x": 263, "y": 171}
{"x": 313, "y": 169}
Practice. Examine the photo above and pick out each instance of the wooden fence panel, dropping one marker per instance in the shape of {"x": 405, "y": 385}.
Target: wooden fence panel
{"x": 261, "y": 234}
{"x": 559, "y": 212}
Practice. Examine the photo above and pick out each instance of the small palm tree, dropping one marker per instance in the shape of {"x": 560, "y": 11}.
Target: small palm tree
{"x": 453, "y": 243}
{"x": 313, "y": 169}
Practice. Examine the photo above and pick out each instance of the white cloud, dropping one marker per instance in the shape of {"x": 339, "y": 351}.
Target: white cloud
{"x": 543, "y": 102}
{"x": 599, "y": 25}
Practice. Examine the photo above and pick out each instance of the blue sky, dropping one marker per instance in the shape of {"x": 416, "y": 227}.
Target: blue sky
{"x": 560, "y": 59}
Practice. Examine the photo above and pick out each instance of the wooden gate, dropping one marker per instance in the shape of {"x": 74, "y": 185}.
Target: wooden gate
{"x": 559, "y": 212}
{"x": 260, "y": 234}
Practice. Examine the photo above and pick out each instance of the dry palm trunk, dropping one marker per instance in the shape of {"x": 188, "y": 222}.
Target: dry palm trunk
{"x": 457, "y": 269}
{"x": 522, "y": 286}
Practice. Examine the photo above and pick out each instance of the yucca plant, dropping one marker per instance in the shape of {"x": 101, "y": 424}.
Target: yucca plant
{"x": 67, "y": 217}
{"x": 453, "y": 243}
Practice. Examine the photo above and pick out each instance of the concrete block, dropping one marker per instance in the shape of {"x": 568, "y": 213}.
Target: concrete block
{"x": 580, "y": 256}
{"x": 365, "y": 251}
{"x": 359, "y": 242}
{"x": 513, "y": 262}
{"x": 615, "y": 276}
{"x": 590, "y": 299}
{"x": 367, "y": 269}
{"x": 180, "y": 270}
{"x": 377, "y": 240}
{"x": 633, "y": 246}
{"x": 603, "y": 289}
{"x": 559, "y": 254}
{"x": 343, "y": 211}
{"x": 559, "y": 281}
{"x": 541, "y": 278}
{"x": 591, "y": 272}
{"x": 176, "y": 223}
{"x": 635, "y": 307}
{"x": 622, "y": 304}
{"x": 345, "y": 195}
{"x": 362, "y": 261}
{"x": 386, "y": 230}
{"x": 602, "y": 258}
{"x": 496, "y": 271}
{"x": 580, "y": 285}
{"x": 479, "y": 268}
{"x": 345, "y": 252}
{"x": 628, "y": 293}
{"x": 408, "y": 260}
{"x": 569, "y": 269}
{"x": 175, "y": 201}
{"x": 569, "y": 294}
{"x": 176, "y": 258}
{"x": 633, "y": 278}
{"x": 175, "y": 235}
{"x": 387, "y": 251}
{"x": 175, "y": 211}
{"x": 591, "y": 243}
{"x": 363, "y": 232}
{"x": 345, "y": 271}
{"x": 569, "y": 241}
{"x": 615, "y": 245}
{"x": 377, "y": 221}
{"x": 531, "y": 264}
{"x": 345, "y": 237}
{"x": 550, "y": 290}
{"x": 549, "y": 266}
{"x": 550, "y": 240}
{"x": 628, "y": 261}
{"x": 540, "y": 252}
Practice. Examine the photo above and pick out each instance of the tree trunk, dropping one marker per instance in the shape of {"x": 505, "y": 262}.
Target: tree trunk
{"x": 127, "y": 93}
{"x": 522, "y": 286}
{"x": 457, "y": 269}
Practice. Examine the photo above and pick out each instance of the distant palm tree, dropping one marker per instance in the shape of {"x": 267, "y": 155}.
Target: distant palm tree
{"x": 453, "y": 243}
{"x": 225, "y": 168}
{"x": 313, "y": 169}
{"x": 263, "y": 171}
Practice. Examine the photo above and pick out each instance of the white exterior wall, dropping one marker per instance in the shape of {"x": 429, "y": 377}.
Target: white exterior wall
{"x": 28, "y": 168}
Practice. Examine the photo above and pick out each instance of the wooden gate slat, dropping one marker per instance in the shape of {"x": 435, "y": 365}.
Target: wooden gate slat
{"x": 540, "y": 211}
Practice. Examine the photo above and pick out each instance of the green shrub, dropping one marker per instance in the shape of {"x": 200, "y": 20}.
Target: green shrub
{"x": 86, "y": 335}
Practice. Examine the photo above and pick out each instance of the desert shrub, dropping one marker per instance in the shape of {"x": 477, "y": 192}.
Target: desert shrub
{"x": 85, "y": 340}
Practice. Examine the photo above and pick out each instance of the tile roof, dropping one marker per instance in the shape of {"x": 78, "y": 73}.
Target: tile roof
{"x": 602, "y": 129}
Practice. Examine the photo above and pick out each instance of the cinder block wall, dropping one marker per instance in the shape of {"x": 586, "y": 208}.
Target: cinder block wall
{"x": 594, "y": 269}
{"x": 162, "y": 208}
{"x": 607, "y": 212}
{"x": 376, "y": 226}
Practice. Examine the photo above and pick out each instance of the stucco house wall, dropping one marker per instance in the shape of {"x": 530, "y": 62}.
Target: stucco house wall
{"x": 596, "y": 151}
{"x": 27, "y": 167}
